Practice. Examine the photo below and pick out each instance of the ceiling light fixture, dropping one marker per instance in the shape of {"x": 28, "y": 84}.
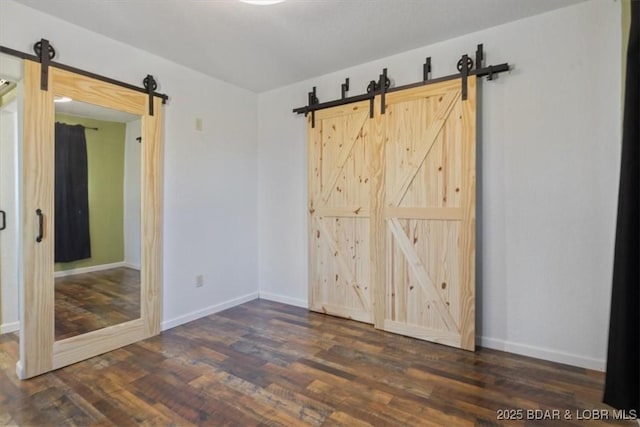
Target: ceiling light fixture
{"x": 262, "y": 2}
{"x": 59, "y": 99}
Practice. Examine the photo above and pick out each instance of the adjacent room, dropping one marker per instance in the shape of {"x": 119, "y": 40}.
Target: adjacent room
{"x": 319, "y": 212}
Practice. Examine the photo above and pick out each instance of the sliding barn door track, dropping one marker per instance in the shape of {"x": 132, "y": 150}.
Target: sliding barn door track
{"x": 44, "y": 54}
{"x": 383, "y": 85}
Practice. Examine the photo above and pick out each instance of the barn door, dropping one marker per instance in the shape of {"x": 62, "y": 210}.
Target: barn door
{"x": 429, "y": 212}
{"x": 392, "y": 213}
{"x": 40, "y": 351}
{"x": 339, "y": 196}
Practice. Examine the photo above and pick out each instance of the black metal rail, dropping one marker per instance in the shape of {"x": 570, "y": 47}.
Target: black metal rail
{"x": 45, "y": 58}
{"x": 382, "y": 86}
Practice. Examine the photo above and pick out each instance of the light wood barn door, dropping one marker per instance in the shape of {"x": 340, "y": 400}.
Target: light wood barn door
{"x": 429, "y": 214}
{"x": 39, "y": 351}
{"x": 339, "y": 197}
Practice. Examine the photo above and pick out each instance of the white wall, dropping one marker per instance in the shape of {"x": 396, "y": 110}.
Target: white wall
{"x": 550, "y": 143}
{"x": 10, "y": 133}
{"x": 210, "y": 180}
{"x": 132, "y": 200}
{"x": 9, "y": 204}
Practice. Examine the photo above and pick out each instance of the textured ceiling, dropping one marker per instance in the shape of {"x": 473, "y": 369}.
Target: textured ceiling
{"x": 264, "y": 47}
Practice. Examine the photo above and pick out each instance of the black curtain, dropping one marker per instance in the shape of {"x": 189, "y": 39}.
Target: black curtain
{"x": 622, "y": 389}
{"x": 72, "y": 240}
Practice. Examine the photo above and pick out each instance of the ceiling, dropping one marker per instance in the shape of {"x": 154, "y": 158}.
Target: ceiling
{"x": 265, "y": 47}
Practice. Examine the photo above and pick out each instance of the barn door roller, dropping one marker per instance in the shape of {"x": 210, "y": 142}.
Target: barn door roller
{"x": 383, "y": 85}
{"x": 45, "y": 53}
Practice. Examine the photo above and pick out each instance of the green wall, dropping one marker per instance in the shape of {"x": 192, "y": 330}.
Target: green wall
{"x": 9, "y": 96}
{"x": 105, "y": 158}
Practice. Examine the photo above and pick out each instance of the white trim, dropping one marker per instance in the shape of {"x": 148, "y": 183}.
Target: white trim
{"x": 284, "y": 299}
{"x": 543, "y": 353}
{"x": 93, "y": 268}
{"x": 19, "y": 370}
{"x": 5, "y": 328}
{"x": 131, "y": 266}
{"x": 194, "y": 315}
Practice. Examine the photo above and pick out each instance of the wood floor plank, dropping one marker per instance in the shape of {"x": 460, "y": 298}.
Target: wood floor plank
{"x": 269, "y": 364}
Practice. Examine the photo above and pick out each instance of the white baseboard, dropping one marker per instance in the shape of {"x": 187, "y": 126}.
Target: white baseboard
{"x": 543, "y": 353}
{"x": 19, "y": 370}
{"x": 93, "y": 268}
{"x": 5, "y": 328}
{"x": 194, "y": 315}
{"x": 131, "y": 265}
{"x": 284, "y": 299}
{"x": 172, "y": 323}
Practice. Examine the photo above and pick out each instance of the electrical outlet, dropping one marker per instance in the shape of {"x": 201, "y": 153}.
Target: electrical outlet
{"x": 199, "y": 281}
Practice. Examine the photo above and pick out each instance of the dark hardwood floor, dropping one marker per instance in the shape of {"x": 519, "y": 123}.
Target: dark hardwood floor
{"x": 90, "y": 301}
{"x": 265, "y": 363}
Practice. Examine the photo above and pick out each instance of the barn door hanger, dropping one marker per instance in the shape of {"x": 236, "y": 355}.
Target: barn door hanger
{"x": 373, "y": 88}
{"x": 465, "y": 67}
{"x": 313, "y": 100}
{"x": 384, "y": 85}
{"x": 379, "y": 88}
{"x": 44, "y": 54}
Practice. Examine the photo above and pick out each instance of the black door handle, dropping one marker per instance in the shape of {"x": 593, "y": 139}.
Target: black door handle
{"x": 4, "y": 220}
{"x": 40, "y": 225}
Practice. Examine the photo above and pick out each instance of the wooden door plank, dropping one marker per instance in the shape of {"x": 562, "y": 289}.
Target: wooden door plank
{"x": 314, "y": 178}
{"x": 421, "y": 274}
{"x": 468, "y": 232}
{"x": 37, "y": 299}
{"x": 445, "y": 214}
{"x": 84, "y": 346}
{"x": 356, "y": 123}
{"x": 424, "y": 147}
{"x": 342, "y": 264}
{"x": 151, "y": 245}
{"x": 343, "y": 212}
{"x": 377, "y": 226}
{"x": 421, "y": 332}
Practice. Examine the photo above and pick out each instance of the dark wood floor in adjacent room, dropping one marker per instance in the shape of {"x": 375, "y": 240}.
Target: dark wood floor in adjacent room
{"x": 265, "y": 363}
{"x": 90, "y": 301}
